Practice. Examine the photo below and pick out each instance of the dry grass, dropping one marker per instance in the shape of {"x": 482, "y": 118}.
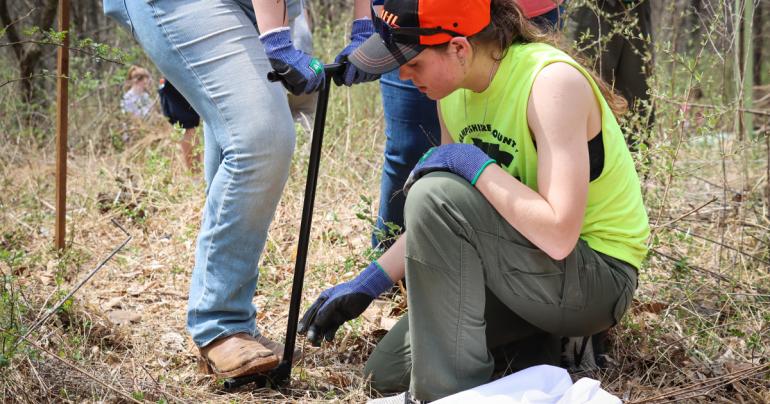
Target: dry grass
{"x": 698, "y": 331}
{"x": 146, "y": 188}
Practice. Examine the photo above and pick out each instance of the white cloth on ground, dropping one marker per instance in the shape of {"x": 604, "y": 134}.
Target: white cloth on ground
{"x": 536, "y": 385}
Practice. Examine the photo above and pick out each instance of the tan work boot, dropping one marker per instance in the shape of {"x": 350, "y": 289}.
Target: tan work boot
{"x": 236, "y": 355}
{"x": 278, "y": 348}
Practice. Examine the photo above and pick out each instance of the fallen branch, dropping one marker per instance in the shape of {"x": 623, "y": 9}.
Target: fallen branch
{"x": 714, "y": 199}
{"x": 699, "y": 269}
{"x": 714, "y": 274}
{"x": 725, "y": 187}
{"x": 745, "y": 254}
{"x": 711, "y": 106}
{"x": 77, "y": 287}
{"x": 158, "y": 386}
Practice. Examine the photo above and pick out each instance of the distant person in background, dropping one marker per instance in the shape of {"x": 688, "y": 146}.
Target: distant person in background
{"x": 136, "y": 100}
{"x": 620, "y": 59}
{"x": 411, "y": 128}
{"x": 179, "y": 112}
{"x": 545, "y": 13}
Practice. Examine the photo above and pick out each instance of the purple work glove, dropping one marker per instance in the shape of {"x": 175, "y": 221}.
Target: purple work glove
{"x": 465, "y": 160}
{"x": 342, "y": 303}
{"x": 300, "y": 73}
{"x": 362, "y": 30}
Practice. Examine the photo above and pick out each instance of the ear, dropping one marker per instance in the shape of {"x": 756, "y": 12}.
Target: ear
{"x": 461, "y": 47}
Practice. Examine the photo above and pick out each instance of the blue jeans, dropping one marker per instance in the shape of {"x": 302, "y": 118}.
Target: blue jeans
{"x": 411, "y": 128}
{"x": 211, "y": 51}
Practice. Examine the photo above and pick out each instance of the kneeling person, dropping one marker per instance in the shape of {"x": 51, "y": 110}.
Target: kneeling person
{"x": 527, "y": 220}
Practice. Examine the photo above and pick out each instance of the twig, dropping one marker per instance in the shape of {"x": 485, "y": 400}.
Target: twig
{"x": 78, "y": 286}
{"x": 745, "y": 254}
{"x": 699, "y": 269}
{"x": 45, "y": 203}
{"x": 740, "y": 223}
{"x": 71, "y": 48}
{"x": 677, "y": 148}
{"x": 21, "y": 222}
{"x": 81, "y": 371}
{"x": 710, "y": 106}
{"x": 37, "y": 375}
{"x": 30, "y": 77}
{"x": 714, "y": 199}
{"x": 32, "y": 10}
{"x": 160, "y": 389}
{"x": 45, "y": 302}
{"x": 713, "y": 184}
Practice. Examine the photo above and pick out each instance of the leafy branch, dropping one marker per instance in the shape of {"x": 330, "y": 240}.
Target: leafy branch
{"x": 52, "y": 37}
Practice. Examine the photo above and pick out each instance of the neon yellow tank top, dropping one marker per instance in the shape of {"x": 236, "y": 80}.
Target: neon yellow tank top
{"x": 615, "y": 221}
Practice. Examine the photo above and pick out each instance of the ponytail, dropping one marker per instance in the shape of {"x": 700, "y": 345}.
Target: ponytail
{"x": 509, "y": 26}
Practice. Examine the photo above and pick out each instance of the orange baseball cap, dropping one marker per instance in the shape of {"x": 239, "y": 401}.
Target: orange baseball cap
{"x": 405, "y": 27}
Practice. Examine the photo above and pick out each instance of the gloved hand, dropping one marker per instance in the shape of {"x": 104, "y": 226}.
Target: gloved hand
{"x": 343, "y": 302}
{"x": 362, "y": 30}
{"x": 300, "y": 72}
{"x": 465, "y": 160}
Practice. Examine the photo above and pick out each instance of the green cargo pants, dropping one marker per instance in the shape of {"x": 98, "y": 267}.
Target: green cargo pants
{"x": 475, "y": 283}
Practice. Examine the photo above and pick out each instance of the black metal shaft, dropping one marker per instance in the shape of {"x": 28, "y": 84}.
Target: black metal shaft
{"x": 281, "y": 374}
{"x": 307, "y": 213}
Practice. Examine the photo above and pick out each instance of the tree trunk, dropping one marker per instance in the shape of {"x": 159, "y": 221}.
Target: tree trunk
{"x": 78, "y": 17}
{"x": 28, "y": 56}
{"x": 86, "y": 20}
{"x": 695, "y": 10}
{"x": 27, "y": 68}
{"x": 748, "y": 66}
{"x": 759, "y": 41}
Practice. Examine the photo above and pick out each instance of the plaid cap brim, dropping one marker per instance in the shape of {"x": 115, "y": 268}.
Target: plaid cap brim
{"x": 375, "y": 57}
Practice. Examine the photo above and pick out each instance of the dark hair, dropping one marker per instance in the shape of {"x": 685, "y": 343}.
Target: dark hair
{"x": 509, "y": 26}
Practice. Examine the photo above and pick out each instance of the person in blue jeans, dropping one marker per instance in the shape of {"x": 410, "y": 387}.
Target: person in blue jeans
{"x": 218, "y": 53}
{"x": 411, "y": 128}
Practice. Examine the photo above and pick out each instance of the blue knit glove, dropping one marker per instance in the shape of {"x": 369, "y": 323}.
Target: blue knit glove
{"x": 465, "y": 160}
{"x": 362, "y": 30}
{"x": 300, "y": 73}
{"x": 343, "y": 302}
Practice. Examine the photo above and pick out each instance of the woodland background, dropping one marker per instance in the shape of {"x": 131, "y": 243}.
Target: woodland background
{"x": 698, "y": 330}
